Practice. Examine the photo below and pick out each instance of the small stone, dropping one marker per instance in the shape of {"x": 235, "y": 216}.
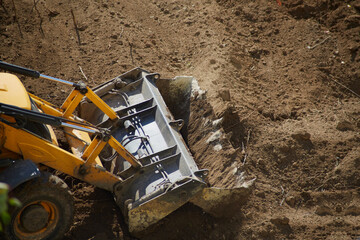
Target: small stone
{"x": 217, "y": 122}
{"x": 214, "y": 137}
{"x": 280, "y": 221}
{"x": 352, "y": 210}
{"x": 212, "y": 61}
{"x": 82, "y": 28}
{"x": 225, "y": 94}
{"x": 217, "y": 147}
{"x": 323, "y": 210}
{"x": 260, "y": 194}
{"x": 260, "y": 162}
{"x": 301, "y": 135}
{"x": 290, "y": 200}
{"x": 345, "y": 126}
{"x": 53, "y": 14}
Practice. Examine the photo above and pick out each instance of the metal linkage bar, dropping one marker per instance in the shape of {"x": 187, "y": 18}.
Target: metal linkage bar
{"x": 57, "y": 80}
{"x": 140, "y": 113}
{"x": 161, "y": 154}
{"x": 31, "y": 73}
{"x": 75, "y": 96}
{"x": 162, "y": 161}
{"x": 124, "y": 153}
{"x": 101, "y": 104}
{"x": 137, "y": 106}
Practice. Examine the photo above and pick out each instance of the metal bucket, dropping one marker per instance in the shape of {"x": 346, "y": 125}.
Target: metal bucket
{"x": 169, "y": 176}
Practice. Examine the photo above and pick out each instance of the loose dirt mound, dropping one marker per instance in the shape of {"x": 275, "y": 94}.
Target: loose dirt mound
{"x": 282, "y": 102}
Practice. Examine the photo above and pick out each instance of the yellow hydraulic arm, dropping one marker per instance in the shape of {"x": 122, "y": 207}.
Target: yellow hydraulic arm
{"x": 84, "y": 165}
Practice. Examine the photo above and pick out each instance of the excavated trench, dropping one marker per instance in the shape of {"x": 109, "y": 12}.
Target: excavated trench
{"x": 205, "y": 133}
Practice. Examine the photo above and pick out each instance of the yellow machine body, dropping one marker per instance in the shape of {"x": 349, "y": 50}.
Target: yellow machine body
{"x": 13, "y": 92}
{"x": 83, "y": 163}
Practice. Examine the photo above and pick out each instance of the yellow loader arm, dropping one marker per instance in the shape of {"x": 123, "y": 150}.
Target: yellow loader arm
{"x": 42, "y": 151}
{"x": 83, "y": 164}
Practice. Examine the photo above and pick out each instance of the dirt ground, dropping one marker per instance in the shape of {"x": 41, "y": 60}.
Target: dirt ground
{"x": 282, "y": 99}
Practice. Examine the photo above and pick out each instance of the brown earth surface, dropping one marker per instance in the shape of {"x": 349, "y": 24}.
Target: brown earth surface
{"x": 284, "y": 80}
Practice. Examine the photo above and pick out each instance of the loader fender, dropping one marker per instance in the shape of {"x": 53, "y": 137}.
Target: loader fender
{"x": 19, "y": 172}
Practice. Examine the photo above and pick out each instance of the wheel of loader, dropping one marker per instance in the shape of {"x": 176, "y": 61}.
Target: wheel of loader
{"x": 46, "y": 212}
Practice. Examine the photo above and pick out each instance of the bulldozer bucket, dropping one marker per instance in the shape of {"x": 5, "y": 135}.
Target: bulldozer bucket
{"x": 168, "y": 176}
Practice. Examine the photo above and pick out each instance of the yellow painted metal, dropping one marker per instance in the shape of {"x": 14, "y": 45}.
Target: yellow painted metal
{"x": 72, "y": 101}
{"x": 123, "y": 152}
{"x": 51, "y": 110}
{"x": 5, "y": 153}
{"x": 95, "y": 151}
{"x": 46, "y": 107}
{"x": 84, "y": 163}
{"x": 36, "y": 98}
{"x": 77, "y": 146}
{"x": 101, "y": 104}
{"x": 73, "y": 104}
{"x": 69, "y": 99}
{"x": 76, "y": 139}
{"x": 44, "y": 152}
{"x": 52, "y": 221}
{"x": 90, "y": 148}
{"x": 52, "y": 135}
{"x": 13, "y": 92}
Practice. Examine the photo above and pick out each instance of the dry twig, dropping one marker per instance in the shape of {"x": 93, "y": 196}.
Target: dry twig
{"x": 332, "y": 79}
{"x": 248, "y": 137}
{"x": 16, "y": 19}
{"x": 32, "y": 9}
{"x": 41, "y": 20}
{"x": 76, "y": 27}
{"x": 314, "y": 46}
{"x": 131, "y": 55}
{"x": 83, "y": 73}
{"x": 86, "y": 78}
{"x": 244, "y": 147}
{"x": 122, "y": 30}
{"x": 283, "y": 194}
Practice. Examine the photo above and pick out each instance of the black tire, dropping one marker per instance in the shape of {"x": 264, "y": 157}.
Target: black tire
{"x": 47, "y": 210}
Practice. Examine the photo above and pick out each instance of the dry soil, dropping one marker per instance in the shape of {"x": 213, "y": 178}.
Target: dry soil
{"x": 282, "y": 99}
